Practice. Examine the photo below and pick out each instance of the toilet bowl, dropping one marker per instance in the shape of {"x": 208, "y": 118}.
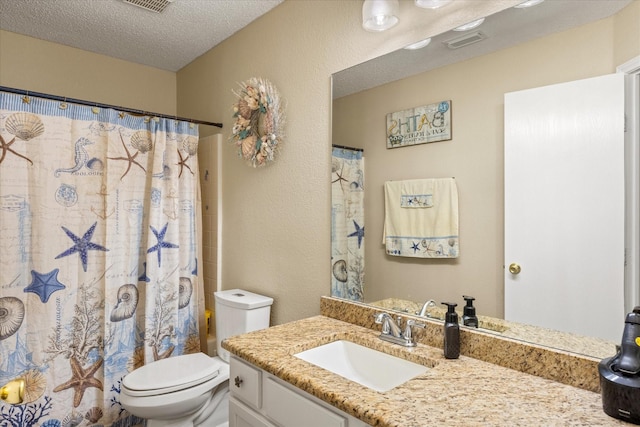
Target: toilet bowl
{"x": 193, "y": 390}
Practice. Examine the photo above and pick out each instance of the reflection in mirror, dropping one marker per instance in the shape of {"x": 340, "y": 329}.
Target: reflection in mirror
{"x": 519, "y": 49}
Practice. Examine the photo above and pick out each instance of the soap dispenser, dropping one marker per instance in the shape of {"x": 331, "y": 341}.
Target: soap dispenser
{"x": 469, "y": 317}
{"x": 451, "y": 332}
{"x": 620, "y": 374}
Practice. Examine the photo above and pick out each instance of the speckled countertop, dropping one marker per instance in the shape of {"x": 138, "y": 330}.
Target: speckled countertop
{"x": 461, "y": 392}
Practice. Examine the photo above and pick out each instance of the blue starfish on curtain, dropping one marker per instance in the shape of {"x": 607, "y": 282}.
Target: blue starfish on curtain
{"x": 161, "y": 243}
{"x": 44, "y": 284}
{"x": 358, "y": 233}
{"x": 82, "y": 245}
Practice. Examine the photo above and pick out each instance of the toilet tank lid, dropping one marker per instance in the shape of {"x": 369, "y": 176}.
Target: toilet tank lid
{"x": 242, "y": 299}
{"x": 173, "y": 373}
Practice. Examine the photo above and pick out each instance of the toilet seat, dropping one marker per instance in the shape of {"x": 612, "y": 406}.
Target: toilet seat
{"x": 171, "y": 375}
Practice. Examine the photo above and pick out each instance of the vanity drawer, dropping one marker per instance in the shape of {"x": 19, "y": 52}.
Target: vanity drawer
{"x": 290, "y": 409}
{"x": 244, "y": 382}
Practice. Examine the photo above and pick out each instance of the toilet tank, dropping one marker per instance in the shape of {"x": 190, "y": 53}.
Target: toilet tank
{"x": 237, "y": 312}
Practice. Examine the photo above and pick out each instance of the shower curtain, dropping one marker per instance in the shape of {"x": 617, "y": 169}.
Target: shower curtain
{"x": 99, "y": 240}
{"x": 347, "y": 223}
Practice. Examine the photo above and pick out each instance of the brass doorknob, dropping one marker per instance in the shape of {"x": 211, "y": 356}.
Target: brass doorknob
{"x": 514, "y": 268}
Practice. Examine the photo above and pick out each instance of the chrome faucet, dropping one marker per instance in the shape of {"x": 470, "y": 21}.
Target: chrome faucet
{"x": 424, "y": 310}
{"x": 389, "y": 326}
{"x": 392, "y": 330}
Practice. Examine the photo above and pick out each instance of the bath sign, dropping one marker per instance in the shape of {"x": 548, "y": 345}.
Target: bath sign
{"x": 419, "y": 125}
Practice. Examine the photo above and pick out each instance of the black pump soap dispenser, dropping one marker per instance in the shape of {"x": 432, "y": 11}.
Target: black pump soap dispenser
{"x": 469, "y": 317}
{"x": 451, "y": 332}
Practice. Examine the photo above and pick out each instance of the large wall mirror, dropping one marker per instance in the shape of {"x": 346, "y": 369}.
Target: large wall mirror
{"x": 516, "y": 49}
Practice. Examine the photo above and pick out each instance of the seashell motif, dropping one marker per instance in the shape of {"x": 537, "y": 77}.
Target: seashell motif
{"x": 94, "y": 414}
{"x": 269, "y": 124}
{"x": 66, "y": 195}
{"x": 35, "y": 384}
{"x": 336, "y": 165}
{"x": 184, "y": 292}
{"x": 190, "y": 145}
{"x": 340, "y": 271}
{"x": 51, "y": 423}
{"x": 142, "y": 141}
{"x": 24, "y": 126}
{"x": 72, "y": 420}
{"x": 11, "y": 316}
{"x": 127, "y": 303}
{"x": 95, "y": 164}
{"x": 248, "y": 146}
{"x": 243, "y": 109}
{"x": 136, "y": 360}
{"x": 192, "y": 344}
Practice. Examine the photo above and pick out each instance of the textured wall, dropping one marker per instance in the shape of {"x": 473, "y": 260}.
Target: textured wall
{"x": 41, "y": 66}
{"x": 275, "y": 232}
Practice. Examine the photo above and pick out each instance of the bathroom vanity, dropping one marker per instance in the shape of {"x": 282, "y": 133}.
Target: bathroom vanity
{"x": 270, "y": 386}
{"x": 259, "y": 399}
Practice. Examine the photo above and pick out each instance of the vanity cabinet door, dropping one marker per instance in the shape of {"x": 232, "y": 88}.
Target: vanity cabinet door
{"x": 244, "y": 382}
{"x": 291, "y": 409}
{"x": 242, "y": 416}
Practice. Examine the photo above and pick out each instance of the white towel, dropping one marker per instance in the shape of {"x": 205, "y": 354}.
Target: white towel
{"x": 421, "y": 218}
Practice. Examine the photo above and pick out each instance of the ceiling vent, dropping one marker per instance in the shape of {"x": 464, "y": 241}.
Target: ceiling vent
{"x": 157, "y": 6}
{"x": 465, "y": 40}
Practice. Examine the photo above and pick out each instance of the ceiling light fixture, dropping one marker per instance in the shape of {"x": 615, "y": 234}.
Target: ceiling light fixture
{"x": 432, "y": 4}
{"x": 418, "y": 45}
{"x": 528, "y": 3}
{"x": 379, "y": 15}
{"x": 469, "y": 25}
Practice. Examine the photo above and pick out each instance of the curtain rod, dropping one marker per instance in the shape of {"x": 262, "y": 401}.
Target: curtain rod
{"x": 97, "y": 104}
{"x": 346, "y": 148}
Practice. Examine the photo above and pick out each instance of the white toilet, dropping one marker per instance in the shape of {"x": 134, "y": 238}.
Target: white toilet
{"x": 193, "y": 389}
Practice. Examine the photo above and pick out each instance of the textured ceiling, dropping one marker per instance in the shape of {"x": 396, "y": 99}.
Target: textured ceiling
{"x": 168, "y": 40}
{"x": 502, "y": 30}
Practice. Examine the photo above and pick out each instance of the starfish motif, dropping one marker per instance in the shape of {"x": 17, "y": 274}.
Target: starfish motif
{"x": 416, "y": 247}
{"x": 44, "y": 284}
{"x": 6, "y": 146}
{"x": 81, "y": 379}
{"x": 131, "y": 159}
{"x": 340, "y": 178}
{"x": 359, "y": 233}
{"x": 82, "y": 245}
{"x": 161, "y": 243}
{"x": 183, "y": 164}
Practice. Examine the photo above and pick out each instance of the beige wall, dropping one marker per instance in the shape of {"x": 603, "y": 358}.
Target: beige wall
{"x": 41, "y": 66}
{"x": 275, "y": 238}
{"x": 474, "y": 155}
{"x": 276, "y": 219}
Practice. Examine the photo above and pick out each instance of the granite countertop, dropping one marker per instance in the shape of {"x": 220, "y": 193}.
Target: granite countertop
{"x": 460, "y": 392}
{"x": 579, "y": 344}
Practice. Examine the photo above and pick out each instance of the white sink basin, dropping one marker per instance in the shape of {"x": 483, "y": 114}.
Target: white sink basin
{"x": 371, "y": 368}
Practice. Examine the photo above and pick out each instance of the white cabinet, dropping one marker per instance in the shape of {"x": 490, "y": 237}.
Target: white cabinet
{"x": 259, "y": 399}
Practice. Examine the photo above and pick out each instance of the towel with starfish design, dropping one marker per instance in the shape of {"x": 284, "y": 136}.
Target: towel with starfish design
{"x": 421, "y": 218}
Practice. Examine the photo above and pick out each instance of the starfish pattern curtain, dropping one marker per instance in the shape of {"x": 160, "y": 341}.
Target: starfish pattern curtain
{"x": 99, "y": 245}
{"x": 347, "y": 224}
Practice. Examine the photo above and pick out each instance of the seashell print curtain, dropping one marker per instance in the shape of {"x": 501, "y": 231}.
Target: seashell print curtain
{"x": 99, "y": 241}
{"x": 347, "y": 224}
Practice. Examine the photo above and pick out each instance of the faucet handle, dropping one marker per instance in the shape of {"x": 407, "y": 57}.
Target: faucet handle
{"x": 408, "y": 333}
{"x": 383, "y": 319}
